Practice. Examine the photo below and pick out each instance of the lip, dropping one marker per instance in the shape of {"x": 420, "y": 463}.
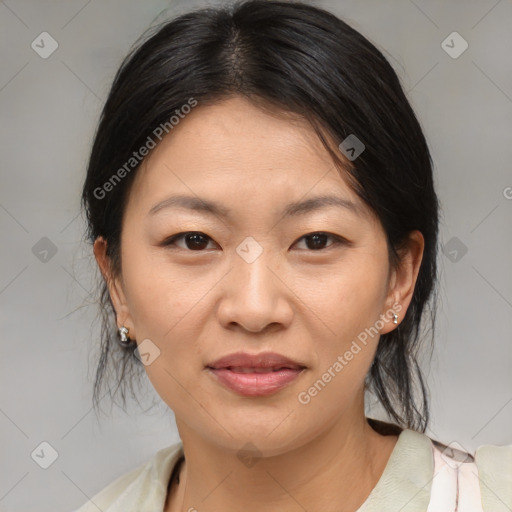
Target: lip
{"x": 271, "y": 372}
{"x": 261, "y": 360}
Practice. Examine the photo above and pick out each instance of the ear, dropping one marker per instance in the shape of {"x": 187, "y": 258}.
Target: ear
{"x": 403, "y": 280}
{"x": 115, "y": 286}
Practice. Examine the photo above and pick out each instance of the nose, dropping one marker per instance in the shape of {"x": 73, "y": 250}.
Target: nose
{"x": 255, "y": 297}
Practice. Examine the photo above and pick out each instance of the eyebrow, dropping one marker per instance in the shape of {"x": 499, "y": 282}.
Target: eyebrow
{"x": 291, "y": 209}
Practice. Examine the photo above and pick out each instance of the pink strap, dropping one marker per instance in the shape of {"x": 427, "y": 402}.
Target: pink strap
{"x": 455, "y": 485}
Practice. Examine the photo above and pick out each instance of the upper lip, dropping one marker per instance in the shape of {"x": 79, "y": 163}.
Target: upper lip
{"x": 262, "y": 360}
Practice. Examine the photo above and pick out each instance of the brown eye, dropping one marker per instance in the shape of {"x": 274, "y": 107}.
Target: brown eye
{"x": 194, "y": 240}
{"x": 317, "y": 241}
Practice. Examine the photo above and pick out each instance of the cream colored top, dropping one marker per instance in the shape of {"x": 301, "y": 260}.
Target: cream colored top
{"x": 405, "y": 485}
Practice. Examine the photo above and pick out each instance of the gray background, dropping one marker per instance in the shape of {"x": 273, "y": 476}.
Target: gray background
{"x": 49, "y": 109}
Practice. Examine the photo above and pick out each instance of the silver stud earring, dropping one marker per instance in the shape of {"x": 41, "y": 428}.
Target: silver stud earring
{"x": 123, "y": 331}
{"x": 395, "y": 318}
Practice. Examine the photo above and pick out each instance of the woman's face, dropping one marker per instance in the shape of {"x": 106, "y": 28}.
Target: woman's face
{"x": 254, "y": 280}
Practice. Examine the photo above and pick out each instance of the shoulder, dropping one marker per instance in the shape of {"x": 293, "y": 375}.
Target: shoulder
{"x": 104, "y": 499}
{"x": 494, "y": 465}
{"x": 427, "y": 474}
{"x": 147, "y": 481}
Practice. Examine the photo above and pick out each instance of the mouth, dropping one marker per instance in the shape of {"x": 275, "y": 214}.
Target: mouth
{"x": 255, "y": 374}
{"x": 255, "y": 382}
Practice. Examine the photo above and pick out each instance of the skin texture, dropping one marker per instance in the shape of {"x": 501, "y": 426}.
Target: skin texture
{"x": 306, "y": 303}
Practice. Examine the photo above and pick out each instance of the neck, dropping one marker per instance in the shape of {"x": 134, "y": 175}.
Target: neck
{"x": 336, "y": 472}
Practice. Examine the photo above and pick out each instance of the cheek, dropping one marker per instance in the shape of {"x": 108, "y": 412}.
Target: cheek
{"x": 354, "y": 295}
{"x": 160, "y": 296}
{"x": 350, "y": 307}
{"x": 163, "y": 305}
{"x": 167, "y": 306}
{"x": 350, "y": 304}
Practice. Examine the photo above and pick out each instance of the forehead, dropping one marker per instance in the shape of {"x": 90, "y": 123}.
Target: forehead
{"x": 234, "y": 149}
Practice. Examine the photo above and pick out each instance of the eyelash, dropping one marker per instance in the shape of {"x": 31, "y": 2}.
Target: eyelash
{"x": 337, "y": 240}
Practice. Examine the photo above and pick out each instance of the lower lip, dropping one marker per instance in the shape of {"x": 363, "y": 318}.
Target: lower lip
{"x": 255, "y": 384}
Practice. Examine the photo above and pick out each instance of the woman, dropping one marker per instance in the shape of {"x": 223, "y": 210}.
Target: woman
{"x": 261, "y": 202}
